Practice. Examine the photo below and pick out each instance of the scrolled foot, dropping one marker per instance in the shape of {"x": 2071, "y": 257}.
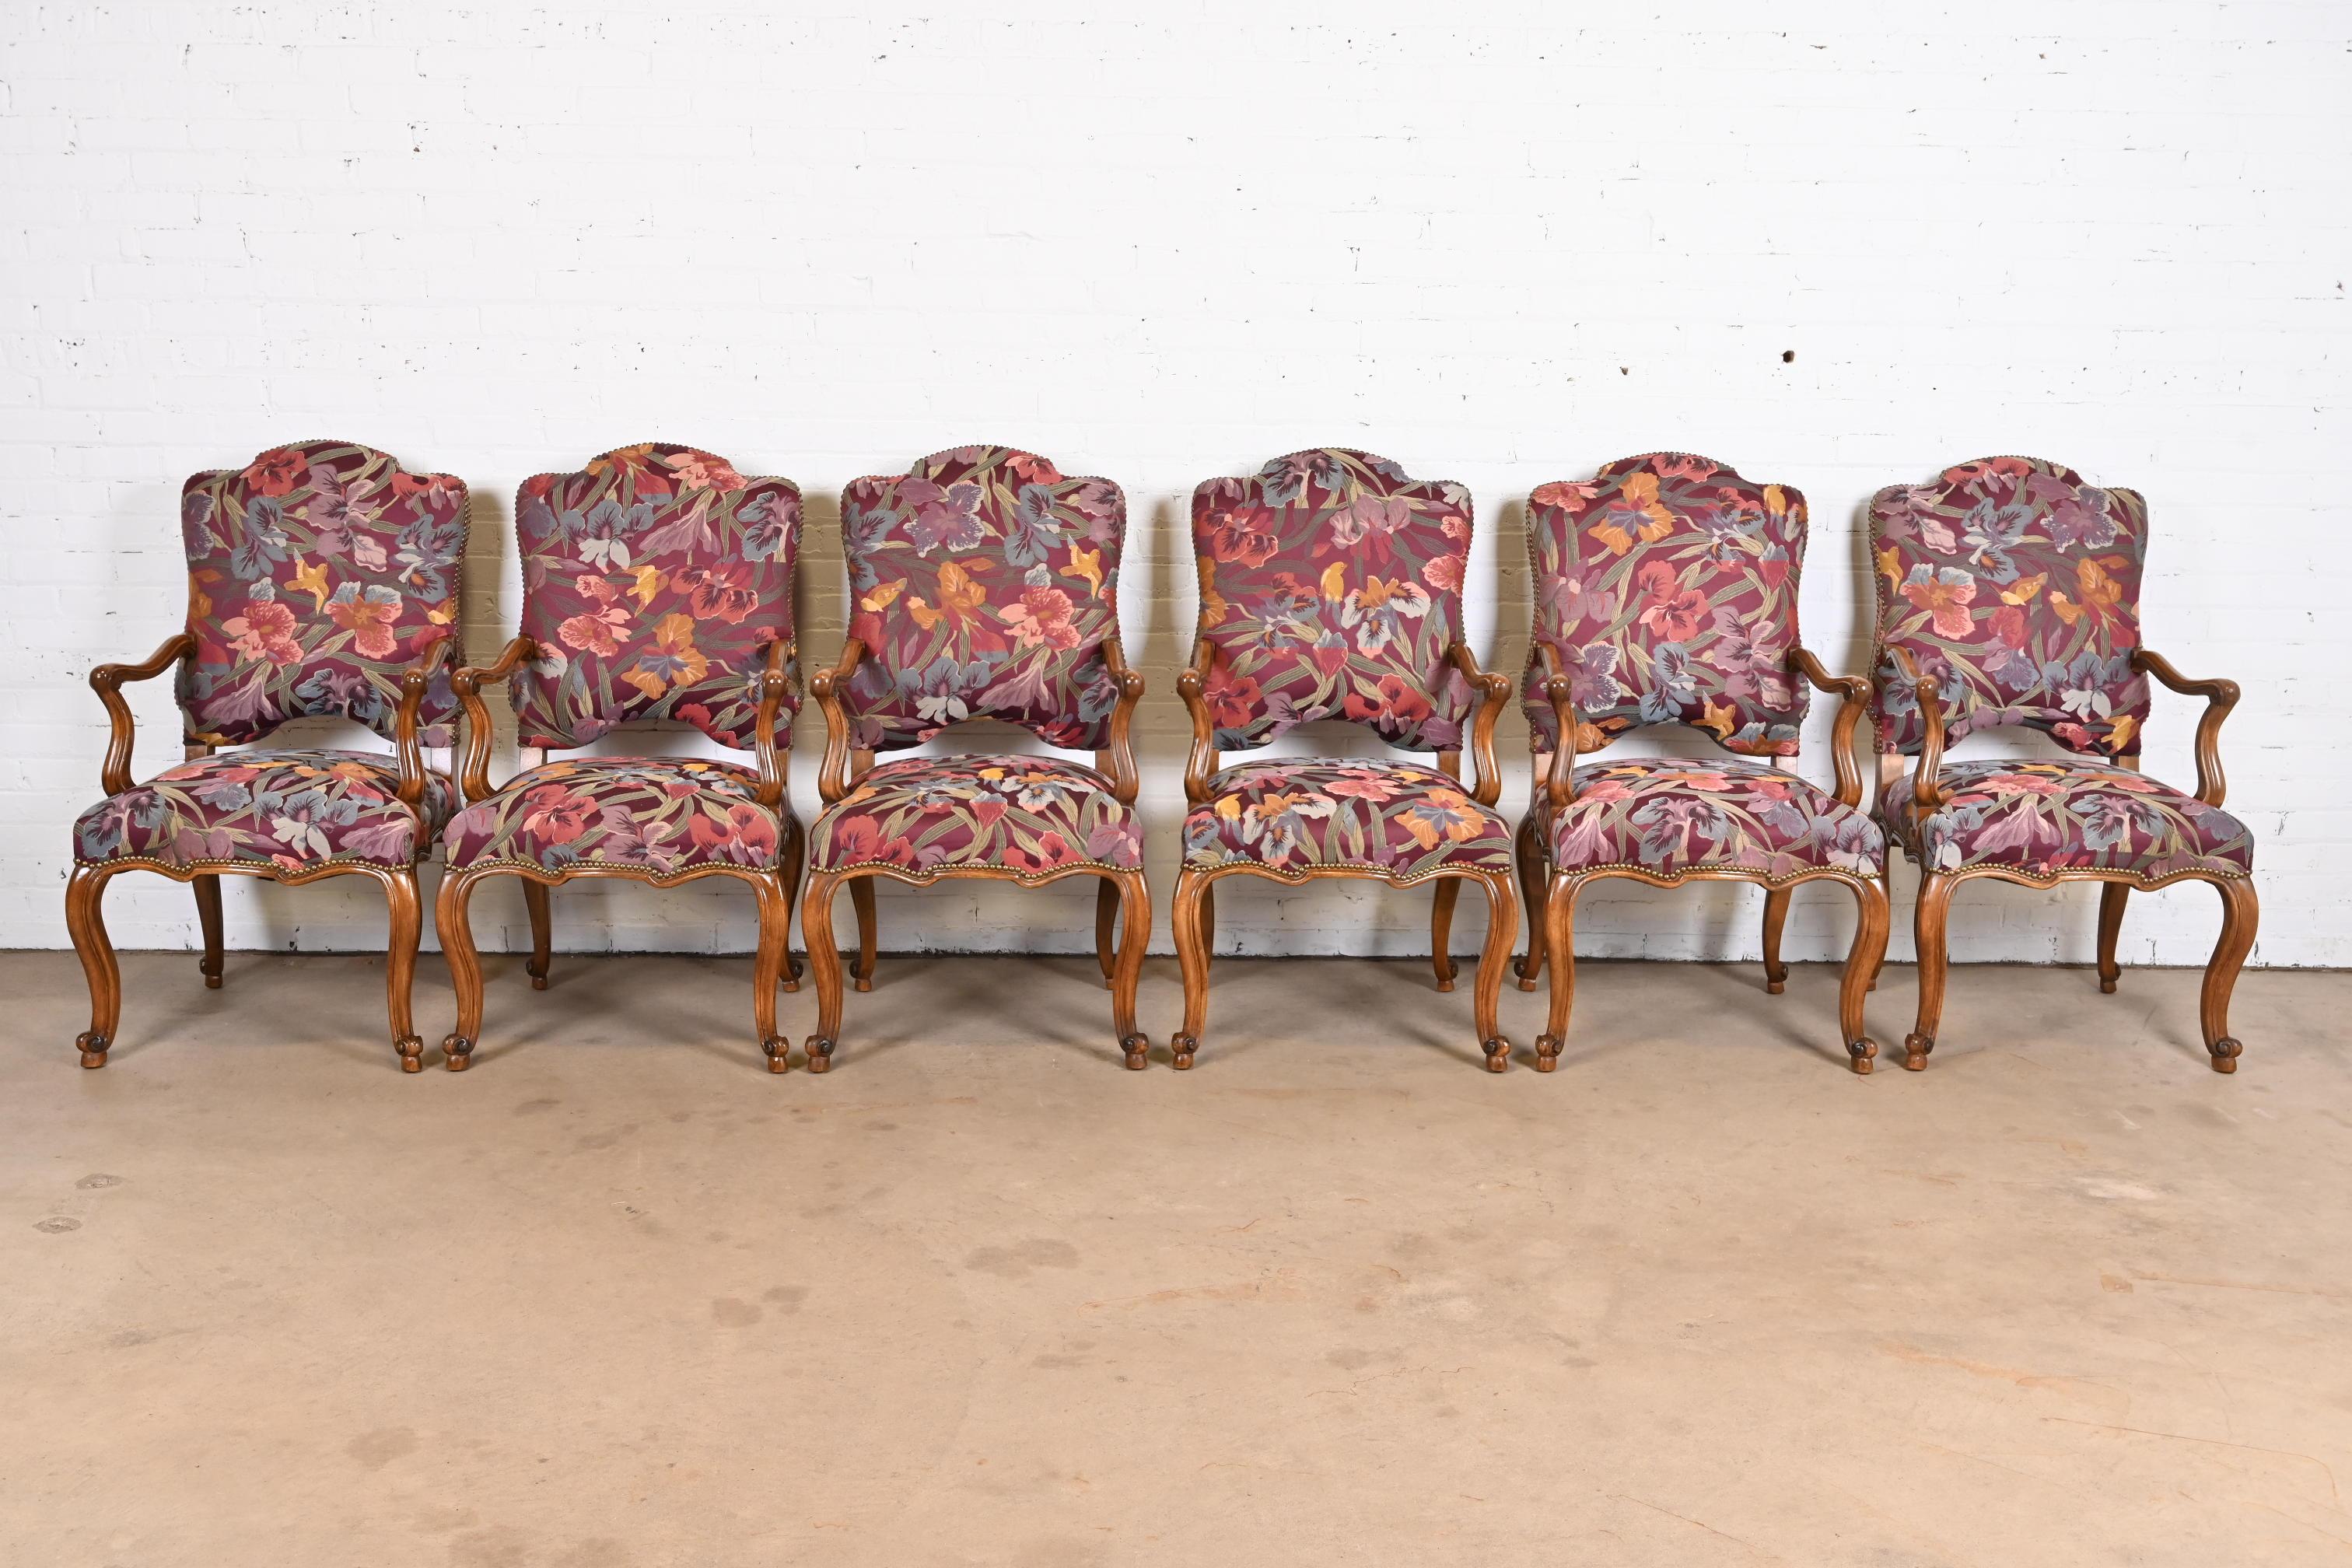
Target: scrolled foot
{"x": 2225, "y": 1054}
{"x": 1548, "y": 1053}
{"x": 779, "y": 1052}
{"x": 93, "y": 1049}
{"x": 1915, "y": 1048}
{"x": 1137, "y": 1051}
{"x": 456, "y": 1053}
{"x": 1860, "y": 1052}
{"x": 1498, "y": 1054}
{"x": 1180, "y": 1050}
{"x": 412, "y": 1053}
{"x": 820, "y": 1054}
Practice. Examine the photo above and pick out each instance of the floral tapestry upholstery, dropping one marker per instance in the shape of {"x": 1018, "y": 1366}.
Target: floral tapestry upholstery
{"x": 317, "y": 575}
{"x": 2043, "y": 818}
{"x": 270, "y": 809}
{"x": 1666, "y": 815}
{"x": 1293, "y": 815}
{"x": 983, "y": 584}
{"x": 1666, "y": 586}
{"x": 654, "y": 580}
{"x": 659, "y": 817}
{"x": 2015, "y": 584}
{"x": 1029, "y": 815}
{"x": 1331, "y": 588}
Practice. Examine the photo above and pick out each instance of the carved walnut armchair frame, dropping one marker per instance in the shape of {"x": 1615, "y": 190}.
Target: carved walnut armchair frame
{"x": 1195, "y": 916}
{"x": 1551, "y": 894}
{"x": 774, "y": 887}
{"x": 2241, "y": 910}
{"x": 1122, "y": 900}
{"x": 87, "y": 886}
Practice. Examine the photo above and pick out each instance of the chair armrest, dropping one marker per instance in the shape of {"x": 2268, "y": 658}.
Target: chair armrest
{"x": 1854, "y": 692}
{"x": 415, "y": 682}
{"x": 832, "y": 776}
{"x": 2220, "y": 697}
{"x": 1202, "y": 759}
{"x": 1126, "y": 779}
{"x": 1927, "y": 790}
{"x": 1495, "y": 691}
{"x": 1557, "y": 783}
{"x": 774, "y": 687}
{"x": 108, "y": 681}
{"x": 473, "y": 780}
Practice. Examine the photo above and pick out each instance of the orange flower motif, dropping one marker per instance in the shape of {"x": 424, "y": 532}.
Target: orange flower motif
{"x": 266, "y": 630}
{"x": 1636, "y": 511}
{"x": 1444, "y": 814}
{"x": 368, "y": 615}
{"x": 1946, "y": 594}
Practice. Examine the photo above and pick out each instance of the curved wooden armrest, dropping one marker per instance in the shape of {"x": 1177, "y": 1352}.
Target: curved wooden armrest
{"x": 1854, "y": 692}
{"x": 833, "y": 774}
{"x": 474, "y": 778}
{"x": 1927, "y": 790}
{"x": 1557, "y": 691}
{"x": 774, "y": 687}
{"x": 2220, "y": 697}
{"x": 108, "y": 681}
{"x": 1495, "y": 691}
{"x": 415, "y": 682}
{"x": 1202, "y": 759}
{"x": 1126, "y": 778}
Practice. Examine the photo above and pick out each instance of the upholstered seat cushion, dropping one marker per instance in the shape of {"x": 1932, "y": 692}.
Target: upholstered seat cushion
{"x": 2043, "y": 818}
{"x": 1671, "y": 814}
{"x": 1024, "y": 814}
{"x": 658, "y": 815}
{"x": 273, "y": 808}
{"x": 1295, "y": 814}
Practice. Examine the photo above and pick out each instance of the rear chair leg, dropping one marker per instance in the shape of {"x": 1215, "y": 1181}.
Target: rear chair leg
{"x": 1440, "y": 930}
{"x": 2112, "y": 898}
{"x": 1776, "y": 916}
{"x": 543, "y": 933}
{"x": 208, "y": 915}
{"x": 1535, "y": 873}
{"x": 861, "y": 894}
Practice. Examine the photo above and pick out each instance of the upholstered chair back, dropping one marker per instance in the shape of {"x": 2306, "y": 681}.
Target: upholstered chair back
{"x": 983, "y": 584}
{"x": 317, "y": 575}
{"x": 1331, "y": 588}
{"x": 1665, "y": 587}
{"x": 654, "y": 580}
{"x": 2014, "y": 583}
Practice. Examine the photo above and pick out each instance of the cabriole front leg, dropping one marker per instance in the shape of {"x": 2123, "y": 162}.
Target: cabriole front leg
{"x": 1190, "y": 918}
{"x": 1501, "y": 935}
{"x": 768, "y": 966}
{"x": 407, "y": 907}
{"x": 1927, "y": 923}
{"x": 824, "y": 963}
{"x": 87, "y": 927}
{"x": 452, "y": 918}
{"x": 1135, "y": 909}
{"x": 1873, "y": 919}
{"x": 2239, "y": 915}
{"x": 1560, "y": 943}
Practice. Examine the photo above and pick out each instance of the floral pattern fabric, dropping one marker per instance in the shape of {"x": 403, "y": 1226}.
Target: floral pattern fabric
{"x": 2043, "y": 818}
{"x": 1667, "y": 816}
{"x": 1331, "y": 588}
{"x": 1297, "y": 815}
{"x": 659, "y": 816}
{"x": 1666, "y": 587}
{"x": 317, "y": 575}
{"x": 2014, "y": 583}
{"x": 983, "y": 586}
{"x": 280, "y": 810}
{"x": 1030, "y": 816}
{"x": 654, "y": 580}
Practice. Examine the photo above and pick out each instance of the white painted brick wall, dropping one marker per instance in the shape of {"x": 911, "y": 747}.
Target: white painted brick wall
{"x": 1501, "y": 243}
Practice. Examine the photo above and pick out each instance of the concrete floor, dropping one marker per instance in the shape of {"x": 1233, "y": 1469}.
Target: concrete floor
{"x": 619, "y": 1297}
